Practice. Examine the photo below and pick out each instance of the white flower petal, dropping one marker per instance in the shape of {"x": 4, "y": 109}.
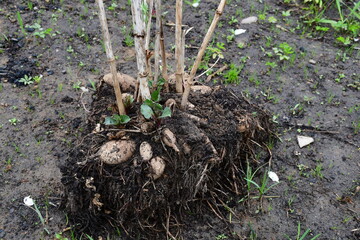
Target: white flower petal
{"x": 239, "y": 31}
{"x": 84, "y": 89}
{"x": 28, "y": 201}
{"x": 273, "y": 176}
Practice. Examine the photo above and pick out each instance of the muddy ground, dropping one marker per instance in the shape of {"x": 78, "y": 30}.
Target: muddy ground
{"x": 315, "y": 93}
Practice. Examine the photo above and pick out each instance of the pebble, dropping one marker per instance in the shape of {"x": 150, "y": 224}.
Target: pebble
{"x": 249, "y": 20}
{"x": 2, "y": 233}
{"x": 29, "y": 29}
{"x": 304, "y": 140}
{"x": 239, "y": 31}
{"x": 50, "y": 72}
{"x": 312, "y": 61}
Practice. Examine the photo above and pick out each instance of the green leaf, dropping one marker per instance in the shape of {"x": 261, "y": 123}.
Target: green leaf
{"x": 110, "y": 121}
{"x": 155, "y": 95}
{"x": 117, "y": 119}
{"x": 146, "y": 110}
{"x": 155, "y": 106}
{"x": 166, "y": 112}
{"x": 123, "y": 119}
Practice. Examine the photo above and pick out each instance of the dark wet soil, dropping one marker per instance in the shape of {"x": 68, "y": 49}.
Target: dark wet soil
{"x": 314, "y": 94}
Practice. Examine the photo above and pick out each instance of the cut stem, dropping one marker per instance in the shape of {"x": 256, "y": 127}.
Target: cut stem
{"x": 157, "y": 41}
{"x": 110, "y": 57}
{"x": 190, "y": 80}
{"x": 147, "y": 39}
{"x": 163, "y": 57}
{"x": 139, "y": 40}
{"x": 179, "y": 74}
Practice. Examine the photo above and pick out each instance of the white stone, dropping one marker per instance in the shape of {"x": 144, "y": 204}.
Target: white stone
{"x": 304, "y": 141}
{"x": 239, "y": 31}
{"x": 249, "y": 20}
{"x": 28, "y": 201}
{"x": 273, "y": 176}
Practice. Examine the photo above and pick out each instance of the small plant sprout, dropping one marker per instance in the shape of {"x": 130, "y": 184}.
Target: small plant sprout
{"x": 262, "y": 188}
{"x": 13, "y": 121}
{"x": 152, "y": 109}
{"x": 302, "y": 237}
{"x": 272, "y": 19}
{"x": 26, "y": 80}
{"x": 117, "y": 120}
{"x": 37, "y": 79}
{"x": 29, "y": 202}
{"x": 194, "y": 3}
{"x": 77, "y": 85}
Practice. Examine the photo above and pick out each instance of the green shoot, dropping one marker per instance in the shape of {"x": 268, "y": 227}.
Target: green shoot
{"x": 117, "y": 120}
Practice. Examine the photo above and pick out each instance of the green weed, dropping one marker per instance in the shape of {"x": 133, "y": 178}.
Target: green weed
{"x": 300, "y": 236}
{"x": 20, "y": 22}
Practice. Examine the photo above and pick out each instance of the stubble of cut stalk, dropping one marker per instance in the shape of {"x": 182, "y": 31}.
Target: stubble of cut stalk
{"x": 110, "y": 57}
{"x": 179, "y": 53}
{"x": 139, "y": 40}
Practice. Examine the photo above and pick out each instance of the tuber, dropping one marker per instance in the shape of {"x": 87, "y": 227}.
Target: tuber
{"x": 146, "y": 152}
{"x": 157, "y": 165}
{"x": 115, "y": 152}
{"x": 169, "y": 139}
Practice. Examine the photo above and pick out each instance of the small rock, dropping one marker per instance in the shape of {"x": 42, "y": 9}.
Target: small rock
{"x": 239, "y": 31}
{"x": 312, "y": 61}
{"x": 50, "y": 72}
{"x": 304, "y": 141}
{"x": 201, "y": 89}
{"x": 249, "y": 20}
{"x": 29, "y": 29}
{"x": 2, "y": 233}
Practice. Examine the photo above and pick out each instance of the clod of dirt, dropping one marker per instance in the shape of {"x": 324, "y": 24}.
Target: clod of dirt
{"x": 115, "y": 152}
{"x": 304, "y": 141}
{"x": 170, "y": 139}
{"x": 127, "y": 82}
{"x": 201, "y": 89}
{"x": 126, "y": 96}
{"x": 147, "y": 127}
{"x": 146, "y": 152}
{"x": 249, "y": 20}
{"x": 157, "y": 165}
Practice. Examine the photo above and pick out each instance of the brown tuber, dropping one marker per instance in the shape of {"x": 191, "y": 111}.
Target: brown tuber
{"x": 127, "y": 82}
{"x": 157, "y": 165}
{"x": 169, "y": 139}
{"x": 171, "y": 103}
{"x": 146, "y": 152}
{"x": 115, "y": 152}
{"x": 147, "y": 127}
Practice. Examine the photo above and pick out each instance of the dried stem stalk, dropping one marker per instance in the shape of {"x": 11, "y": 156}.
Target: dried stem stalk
{"x": 179, "y": 74}
{"x": 201, "y": 52}
{"x": 148, "y": 26}
{"x": 163, "y": 57}
{"x": 147, "y": 39}
{"x": 139, "y": 40}
{"x": 157, "y": 41}
{"x": 110, "y": 57}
